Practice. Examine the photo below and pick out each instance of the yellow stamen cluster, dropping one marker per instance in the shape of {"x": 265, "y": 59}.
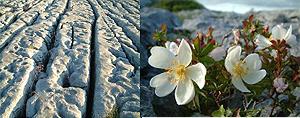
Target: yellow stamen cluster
{"x": 239, "y": 70}
{"x": 178, "y": 72}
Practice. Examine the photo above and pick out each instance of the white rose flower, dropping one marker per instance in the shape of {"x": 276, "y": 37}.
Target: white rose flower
{"x": 279, "y": 33}
{"x": 247, "y": 70}
{"x": 178, "y": 75}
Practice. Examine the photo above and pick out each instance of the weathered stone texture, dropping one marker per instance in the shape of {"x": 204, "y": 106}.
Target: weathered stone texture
{"x": 117, "y": 68}
{"x": 69, "y": 58}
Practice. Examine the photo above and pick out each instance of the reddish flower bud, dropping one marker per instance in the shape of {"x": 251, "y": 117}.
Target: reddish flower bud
{"x": 266, "y": 29}
{"x": 213, "y": 41}
{"x": 245, "y": 23}
{"x": 251, "y": 17}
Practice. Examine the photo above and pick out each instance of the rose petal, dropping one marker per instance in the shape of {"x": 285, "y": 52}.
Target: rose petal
{"x": 184, "y": 92}
{"x": 252, "y": 61}
{"x": 292, "y": 41}
{"x": 184, "y": 55}
{"x": 238, "y": 83}
{"x": 262, "y": 42}
{"x": 278, "y": 32}
{"x": 160, "y": 79}
{"x": 173, "y": 47}
{"x": 254, "y": 77}
{"x": 232, "y": 58}
{"x": 288, "y": 33}
{"x": 163, "y": 85}
{"x": 197, "y": 73}
{"x": 161, "y": 57}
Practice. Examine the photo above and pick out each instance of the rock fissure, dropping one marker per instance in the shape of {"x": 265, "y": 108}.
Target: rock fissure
{"x": 91, "y": 89}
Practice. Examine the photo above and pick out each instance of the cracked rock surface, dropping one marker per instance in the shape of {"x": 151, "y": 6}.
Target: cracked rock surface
{"x": 69, "y": 58}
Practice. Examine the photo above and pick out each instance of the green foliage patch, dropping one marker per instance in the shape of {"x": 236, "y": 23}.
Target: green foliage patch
{"x": 178, "y": 5}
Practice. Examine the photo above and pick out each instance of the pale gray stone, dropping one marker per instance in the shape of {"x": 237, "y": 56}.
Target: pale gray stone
{"x": 117, "y": 87}
{"x": 51, "y": 49}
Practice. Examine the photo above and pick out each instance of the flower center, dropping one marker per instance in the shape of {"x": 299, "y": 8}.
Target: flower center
{"x": 178, "y": 73}
{"x": 239, "y": 70}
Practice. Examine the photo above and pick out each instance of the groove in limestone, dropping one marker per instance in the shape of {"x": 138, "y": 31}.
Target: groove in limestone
{"x": 68, "y": 66}
{"x": 124, "y": 11}
{"x": 130, "y": 32}
{"x": 119, "y": 77}
{"x": 19, "y": 25}
{"x": 22, "y": 65}
{"x": 10, "y": 21}
{"x": 130, "y": 53}
{"x": 128, "y": 13}
{"x": 125, "y": 39}
{"x": 91, "y": 89}
{"x": 116, "y": 83}
{"x": 72, "y": 40}
{"x": 72, "y": 36}
{"x": 133, "y": 57}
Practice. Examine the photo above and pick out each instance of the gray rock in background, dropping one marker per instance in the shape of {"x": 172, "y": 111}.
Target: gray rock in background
{"x": 145, "y": 3}
{"x": 285, "y": 17}
{"x": 151, "y": 20}
{"x": 224, "y": 22}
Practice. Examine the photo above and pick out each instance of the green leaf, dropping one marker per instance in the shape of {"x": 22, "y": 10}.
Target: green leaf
{"x": 207, "y": 60}
{"x": 207, "y": 49}
{"x": 228, "y": 112}
{"x": 197, "y": 102}
{"x": 219, "y": 113}
{"x": 161, "y": 35}
{"x": 252, "y": 112}
{"x": 196, "y": 43}
{"x": 202, "y": 94}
